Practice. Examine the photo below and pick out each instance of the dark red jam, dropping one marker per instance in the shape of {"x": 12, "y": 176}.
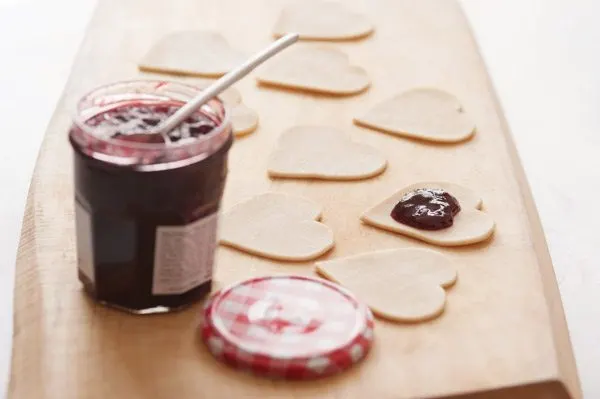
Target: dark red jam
{"x": 134, "y": 123}
{"x": 426, "y": 209}
{"x": 146, "y": 235}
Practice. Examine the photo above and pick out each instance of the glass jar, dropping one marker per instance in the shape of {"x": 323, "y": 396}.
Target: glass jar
{"x": 146, "y": 209}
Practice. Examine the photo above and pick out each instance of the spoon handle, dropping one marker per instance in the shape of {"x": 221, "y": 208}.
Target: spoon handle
{"x": 225, "y": 81}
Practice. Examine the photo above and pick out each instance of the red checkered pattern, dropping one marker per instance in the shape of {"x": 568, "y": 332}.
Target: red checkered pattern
{"x": 287, "y": 327}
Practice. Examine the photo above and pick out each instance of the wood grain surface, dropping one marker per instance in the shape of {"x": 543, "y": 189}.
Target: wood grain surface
{"x": 503, "y": 334}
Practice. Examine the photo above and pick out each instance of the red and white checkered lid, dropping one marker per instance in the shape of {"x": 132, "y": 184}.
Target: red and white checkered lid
{"x": 287, "y": 327}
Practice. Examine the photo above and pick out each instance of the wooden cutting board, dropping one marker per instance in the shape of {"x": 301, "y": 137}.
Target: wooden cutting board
{"x": 503, "y": 334}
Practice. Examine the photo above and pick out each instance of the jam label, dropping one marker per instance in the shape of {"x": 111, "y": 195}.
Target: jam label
{"x": 85, "y": 252}
{"x": 184, "y": 256}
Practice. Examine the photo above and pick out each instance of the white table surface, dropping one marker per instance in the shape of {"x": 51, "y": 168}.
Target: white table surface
{"x": 543, "y": 57}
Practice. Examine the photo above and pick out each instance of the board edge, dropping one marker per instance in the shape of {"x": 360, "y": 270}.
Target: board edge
{"x": 567, "y": 376}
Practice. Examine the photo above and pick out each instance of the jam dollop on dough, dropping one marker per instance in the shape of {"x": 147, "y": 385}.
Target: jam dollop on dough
{"x": 426, "y": 209}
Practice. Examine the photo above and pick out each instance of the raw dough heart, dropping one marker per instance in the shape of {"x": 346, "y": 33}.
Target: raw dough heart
{"x": 470, "y": 225}
{"x": 277, "y": 226}
{"x": 398, "y": 284}
{"x": 243, "y": 119}
{"x": 322, "y": 20}
{"x": 426, "y": 114}
{"x": 229, "y": 96}
{"x": 195, "y": 53}
{"x": 322, "y": 152}
{"x": 316, "y": 69}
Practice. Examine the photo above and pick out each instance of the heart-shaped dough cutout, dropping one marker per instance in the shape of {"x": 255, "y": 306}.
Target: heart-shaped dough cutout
{"x": 192, "y": 53}
{"x": 399, "y": 284}
{"x": 277, "y": 226}
{"x": 470, "y": 224}
{"x": 424, "y": 113}
{"x": 322, "y": 20}
{"x": 315, "y": 69}
{"x": 321, "y": 152}
{"x": 243, "y": 119}
{"x": 230, "y": 95}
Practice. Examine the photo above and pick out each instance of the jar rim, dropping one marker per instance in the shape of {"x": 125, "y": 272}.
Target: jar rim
{"x": 80, "y": 121}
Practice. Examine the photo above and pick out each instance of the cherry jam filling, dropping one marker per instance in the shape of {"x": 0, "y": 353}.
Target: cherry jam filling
{"x": 135, "y": 123}
{"x": 426, "y": 209}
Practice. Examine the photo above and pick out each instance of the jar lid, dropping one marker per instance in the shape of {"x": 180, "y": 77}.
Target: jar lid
{"x": 287, "y": 327}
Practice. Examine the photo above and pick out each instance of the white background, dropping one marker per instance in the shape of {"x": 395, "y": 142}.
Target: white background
{"x": 544, "y": 59}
